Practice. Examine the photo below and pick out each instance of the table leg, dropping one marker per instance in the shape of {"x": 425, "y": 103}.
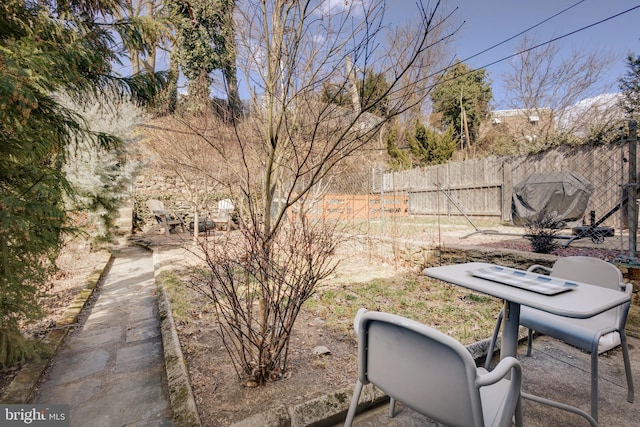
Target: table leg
{"x": 510, "y": 331}
{"x": 510, "y": 348}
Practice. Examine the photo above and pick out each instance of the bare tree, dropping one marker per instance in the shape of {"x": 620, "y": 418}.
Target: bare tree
{"x": 545, "y": 86}
{"x": 438, "y": 57}
{"x": 277, "y": 157}
{"x": 178, "y": 151}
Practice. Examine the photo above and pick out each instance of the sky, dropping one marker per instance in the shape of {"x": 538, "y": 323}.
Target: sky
{"x": 485, "y": 23}
{"x": 489, "y": 22}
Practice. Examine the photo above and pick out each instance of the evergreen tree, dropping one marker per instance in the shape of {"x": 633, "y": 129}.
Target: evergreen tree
{"x": 400, "y": 160}
{"x": 334, "y": 94}
{"x": 100, "y": 175}
{"x": 462, "y": 89}
{"x": 430, "y": 147}
{"x": 372, "y": 93}
{"x": 46, "y": 53}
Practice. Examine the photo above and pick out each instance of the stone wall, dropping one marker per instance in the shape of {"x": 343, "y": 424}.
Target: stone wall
{"x": 411, "y": 253}
{"x": 407, "y": 252}
{"x": 421, "y": 255}
{"x": 154, "y": 184}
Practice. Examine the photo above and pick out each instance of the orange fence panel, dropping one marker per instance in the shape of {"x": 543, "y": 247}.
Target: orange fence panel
{"x": 350, "y": 207}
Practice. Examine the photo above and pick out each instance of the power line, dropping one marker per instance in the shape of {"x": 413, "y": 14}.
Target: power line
{"x": 560, "y": 37}
{"x": 523, "y": 31}
{"x": 440, "y": 80}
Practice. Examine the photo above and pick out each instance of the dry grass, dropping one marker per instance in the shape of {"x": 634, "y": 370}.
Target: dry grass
{"x": 466, "y": 315}
{"x": 463, "y": 314}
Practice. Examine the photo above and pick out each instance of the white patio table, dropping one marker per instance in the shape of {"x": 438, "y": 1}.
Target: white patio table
{"x": 580, "y": 301}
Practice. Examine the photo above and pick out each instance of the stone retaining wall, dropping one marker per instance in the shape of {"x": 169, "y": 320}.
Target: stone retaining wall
{"x": 421, "y": 255}
{"x": 153, "y": 184}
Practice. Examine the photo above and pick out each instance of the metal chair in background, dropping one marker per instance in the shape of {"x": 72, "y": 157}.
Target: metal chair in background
{"x": 594, "y": 335}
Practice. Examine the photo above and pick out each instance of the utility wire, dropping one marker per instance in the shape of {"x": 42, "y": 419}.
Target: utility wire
{"x": 561, "y": 37}
{"x": 441, "y": 72}
{"x": 523, "y": 31}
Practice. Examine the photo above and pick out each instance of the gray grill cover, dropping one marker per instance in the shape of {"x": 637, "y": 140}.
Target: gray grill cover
{"x": 563, "y": 195}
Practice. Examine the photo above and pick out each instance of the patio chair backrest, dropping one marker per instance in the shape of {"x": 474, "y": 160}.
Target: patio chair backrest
{"x": 589, "y": 270}
{"x": 593, "y": 271}
{"x": 424, "y": 369}
{"x": 155, "y": 206}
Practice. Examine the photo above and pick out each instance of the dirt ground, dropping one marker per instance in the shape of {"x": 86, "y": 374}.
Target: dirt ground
{"x": 221, "y": 395}
{"x": 222, "y": 398}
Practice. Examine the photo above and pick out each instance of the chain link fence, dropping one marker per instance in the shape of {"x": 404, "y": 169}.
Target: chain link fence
{"x": 585, "y": 196}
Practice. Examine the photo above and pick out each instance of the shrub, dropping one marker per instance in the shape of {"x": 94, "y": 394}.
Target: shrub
{"x": 542, "y": 231}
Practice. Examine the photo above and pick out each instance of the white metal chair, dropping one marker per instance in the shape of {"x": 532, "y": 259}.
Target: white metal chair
{"x": 432, "y": 373}
{"x": 594, "y": 335}
{"x": 226, "y": 211}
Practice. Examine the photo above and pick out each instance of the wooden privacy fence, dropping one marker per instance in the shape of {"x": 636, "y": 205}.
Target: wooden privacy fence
{"x": 352, "y": 207}
{"x": 484, "y": 187}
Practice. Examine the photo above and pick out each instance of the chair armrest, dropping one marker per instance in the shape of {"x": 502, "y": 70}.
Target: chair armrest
{"x": 626, "y": 287}
{"x": 160, "y": 216}
{"x": 356, "y": 320}
{"x": 535, "y": 267}
{"x": 506, "y": 365}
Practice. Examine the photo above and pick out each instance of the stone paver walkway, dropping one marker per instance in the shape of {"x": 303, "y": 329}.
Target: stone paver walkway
{"x": 111, "y": 370}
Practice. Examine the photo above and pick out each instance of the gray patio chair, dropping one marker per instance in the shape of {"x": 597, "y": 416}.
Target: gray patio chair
{"x": 166, "y": 220}
{"x": 432, "y": 373}
{"x": 594, "y": 335}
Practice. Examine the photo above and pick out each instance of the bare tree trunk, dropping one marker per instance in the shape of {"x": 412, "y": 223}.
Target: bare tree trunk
{"x": 278, "y": 155}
